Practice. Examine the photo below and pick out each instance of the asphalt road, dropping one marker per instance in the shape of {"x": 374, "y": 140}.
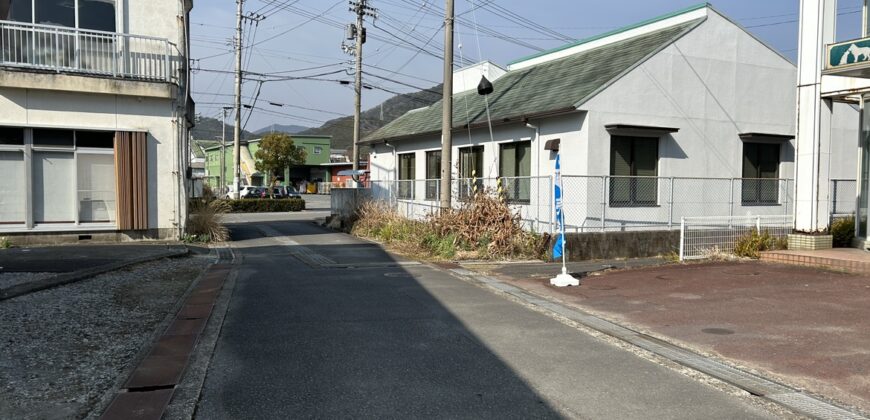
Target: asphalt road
{"x": 305, "y": 336}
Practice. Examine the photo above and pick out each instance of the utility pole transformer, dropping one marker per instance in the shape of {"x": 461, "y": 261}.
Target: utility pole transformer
{"x": 361, "y": 9}
{"x": 447, "y": 115}
{"x": 237, "y": 130}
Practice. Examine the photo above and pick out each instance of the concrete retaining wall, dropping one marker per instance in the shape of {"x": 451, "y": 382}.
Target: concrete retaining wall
{"x": 612, "y": 245}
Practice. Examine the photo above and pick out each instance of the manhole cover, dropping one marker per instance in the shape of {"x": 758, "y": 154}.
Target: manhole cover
{"x": 601, "y": 287}
{"x": 397, "y": 274}
{"x": 717, "y": 331}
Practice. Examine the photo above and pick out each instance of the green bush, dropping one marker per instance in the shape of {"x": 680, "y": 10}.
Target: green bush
{"x": 843, "y": 231}
{"x": 752, "y": 244}
{"x": 266, "y": 205}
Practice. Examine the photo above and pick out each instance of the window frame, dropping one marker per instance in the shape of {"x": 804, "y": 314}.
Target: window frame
{"x": 405, "y": 187}
{"x": 634, "y": 182}
{"x": 514, "y": 194}
{"x": 754, "y": 189}
{"x": 433, "y": 180}
{"x": 465, "y": 182}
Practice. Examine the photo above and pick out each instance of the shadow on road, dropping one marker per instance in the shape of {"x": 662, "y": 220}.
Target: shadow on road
{"x": 308, "y": 341}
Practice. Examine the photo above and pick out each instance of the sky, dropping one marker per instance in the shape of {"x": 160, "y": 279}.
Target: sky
{"x": 297, "y": 45}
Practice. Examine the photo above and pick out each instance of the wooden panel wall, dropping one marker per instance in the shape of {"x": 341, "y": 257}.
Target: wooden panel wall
{"x": 131, "y": 180}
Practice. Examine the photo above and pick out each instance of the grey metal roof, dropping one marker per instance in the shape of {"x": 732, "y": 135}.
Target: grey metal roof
{"x": 551, "y": 87}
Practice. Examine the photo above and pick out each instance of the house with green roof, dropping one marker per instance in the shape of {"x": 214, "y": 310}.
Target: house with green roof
{"x": 686, "y": 114}
{"x": 317, "y": 151}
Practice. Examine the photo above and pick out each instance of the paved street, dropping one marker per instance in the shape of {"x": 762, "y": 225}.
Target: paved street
{"x": 392, "y": 339}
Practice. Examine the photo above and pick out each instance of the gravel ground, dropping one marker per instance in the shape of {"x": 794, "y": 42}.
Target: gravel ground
{"x": 14, "y": 279}
{"x": 62, "y": 349}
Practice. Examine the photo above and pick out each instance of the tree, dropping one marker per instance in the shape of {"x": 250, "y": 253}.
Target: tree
{"x": 276, "y": 153}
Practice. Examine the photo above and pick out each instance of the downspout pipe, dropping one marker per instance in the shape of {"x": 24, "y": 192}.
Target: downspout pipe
{"x": 395, "y": 166}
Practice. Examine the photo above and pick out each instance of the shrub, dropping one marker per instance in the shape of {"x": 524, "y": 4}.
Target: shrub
{"x": 206, "y": 221}
{"x": 483, "y": 227}
{"x": 843, "y": 231}
{"x": 5, "y": 243}
{"x": 753, "y": 243}
{"x": 263, "y": 205}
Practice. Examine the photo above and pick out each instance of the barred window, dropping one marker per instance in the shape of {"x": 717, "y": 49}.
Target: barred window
{"x": 760, "y": 173}
{"x": 633, "y": 168}
{"x": 433, "y": 174}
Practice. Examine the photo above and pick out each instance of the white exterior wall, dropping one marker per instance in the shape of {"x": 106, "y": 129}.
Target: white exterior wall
{"x": 63, "y": 102}
{"x": 713, "y": 84}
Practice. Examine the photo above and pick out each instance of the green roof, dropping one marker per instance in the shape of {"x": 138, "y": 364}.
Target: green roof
{"x": 200, "y": 146}
{"x": 550, "y": 87}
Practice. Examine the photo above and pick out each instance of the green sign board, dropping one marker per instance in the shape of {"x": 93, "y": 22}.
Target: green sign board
{"x": 849, "y": 53}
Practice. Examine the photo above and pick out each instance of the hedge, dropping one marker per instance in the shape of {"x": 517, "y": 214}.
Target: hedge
{"x": 264, "y": 205}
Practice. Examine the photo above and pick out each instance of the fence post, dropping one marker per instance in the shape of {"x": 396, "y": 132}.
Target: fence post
{"x": 758, "y": 225}
{"x": 552, "y": 206}
{"x": 604, "y": 203}
{"x": 731, "y": 200}
{"x": 682, "y": 238}
{"x": 671, "y": 206}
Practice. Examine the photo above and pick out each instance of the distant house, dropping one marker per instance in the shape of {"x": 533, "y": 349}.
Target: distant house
{"x": 687, "y": 114}
{"x": 96, "y": 111}
{"x": 317, "y": 151}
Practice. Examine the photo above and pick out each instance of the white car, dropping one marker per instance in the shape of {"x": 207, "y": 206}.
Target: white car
{"x": 246, "y": 191}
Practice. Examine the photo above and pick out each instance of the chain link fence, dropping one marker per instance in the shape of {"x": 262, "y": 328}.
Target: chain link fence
{"x": 614, "y": 203}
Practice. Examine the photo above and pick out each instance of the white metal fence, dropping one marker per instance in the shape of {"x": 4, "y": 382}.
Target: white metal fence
{"x": 704, "y": 237}
{"x": 843, "y": 197}
{"x": 62, "y": 49}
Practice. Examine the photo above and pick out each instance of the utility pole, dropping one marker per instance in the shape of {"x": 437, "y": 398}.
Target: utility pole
{"x": 362, "y": 9}
{"x": 223, "y": 180}
{"x": 237, "y": 130}
{"x": 447, "y": 108}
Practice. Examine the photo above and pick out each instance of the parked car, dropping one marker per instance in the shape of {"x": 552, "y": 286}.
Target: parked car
{"x": 286, "y": 192}
{"x": 247, "y": 191}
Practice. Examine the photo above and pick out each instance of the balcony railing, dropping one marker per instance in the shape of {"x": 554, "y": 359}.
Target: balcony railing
{"x": 71, "y": 50}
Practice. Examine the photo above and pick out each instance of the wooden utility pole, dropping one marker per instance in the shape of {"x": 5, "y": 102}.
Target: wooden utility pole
{"x": 447, "y": 114}
{"x": 237, "y": 130}
{"x": 362, "y": 9}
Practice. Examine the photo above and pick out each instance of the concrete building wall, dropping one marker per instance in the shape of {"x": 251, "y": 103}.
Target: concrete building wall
{"x": 67, "y": 110}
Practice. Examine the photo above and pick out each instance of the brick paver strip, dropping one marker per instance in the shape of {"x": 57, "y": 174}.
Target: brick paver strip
{"x": 138, "y": 405}
{"x": 194, "y": 311}
{"x": 174, "y": 345}
{"x": 165, "y": 364}
{"x": 157, "y": 371}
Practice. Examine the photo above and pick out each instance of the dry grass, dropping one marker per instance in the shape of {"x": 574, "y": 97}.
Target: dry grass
{"x": 483, "y": 227}
{"x": 205, "y": 223}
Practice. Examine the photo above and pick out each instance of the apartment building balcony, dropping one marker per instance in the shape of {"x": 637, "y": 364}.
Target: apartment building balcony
{"x": 64, "y": 58}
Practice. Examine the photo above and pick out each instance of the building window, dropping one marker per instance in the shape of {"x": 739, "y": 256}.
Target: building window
{"x": 13, "y": 188}
{"x": 92, "y": 14}
{"x": 470, "y": 170}
{"x": 515, "y": 168}
{"x": 760, "y": 173}
{"x": 406, "y": 175}
{"x": 318, "y": 150}
{"x": 71, "y": 176}
{"x": 633, "y": 168}
{"x": 433, "y": 174}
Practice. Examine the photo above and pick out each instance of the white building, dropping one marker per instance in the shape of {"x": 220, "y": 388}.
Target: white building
{"x": 95, "y": 115}
{"x": 687, "y": 114}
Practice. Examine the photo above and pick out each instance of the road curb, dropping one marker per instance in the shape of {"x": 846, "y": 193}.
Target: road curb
{"x": 760, "y": 386}
{"x": 67, "y": 278}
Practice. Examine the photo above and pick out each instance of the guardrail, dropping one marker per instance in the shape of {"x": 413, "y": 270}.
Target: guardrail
{"x": 71, "y": 50}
